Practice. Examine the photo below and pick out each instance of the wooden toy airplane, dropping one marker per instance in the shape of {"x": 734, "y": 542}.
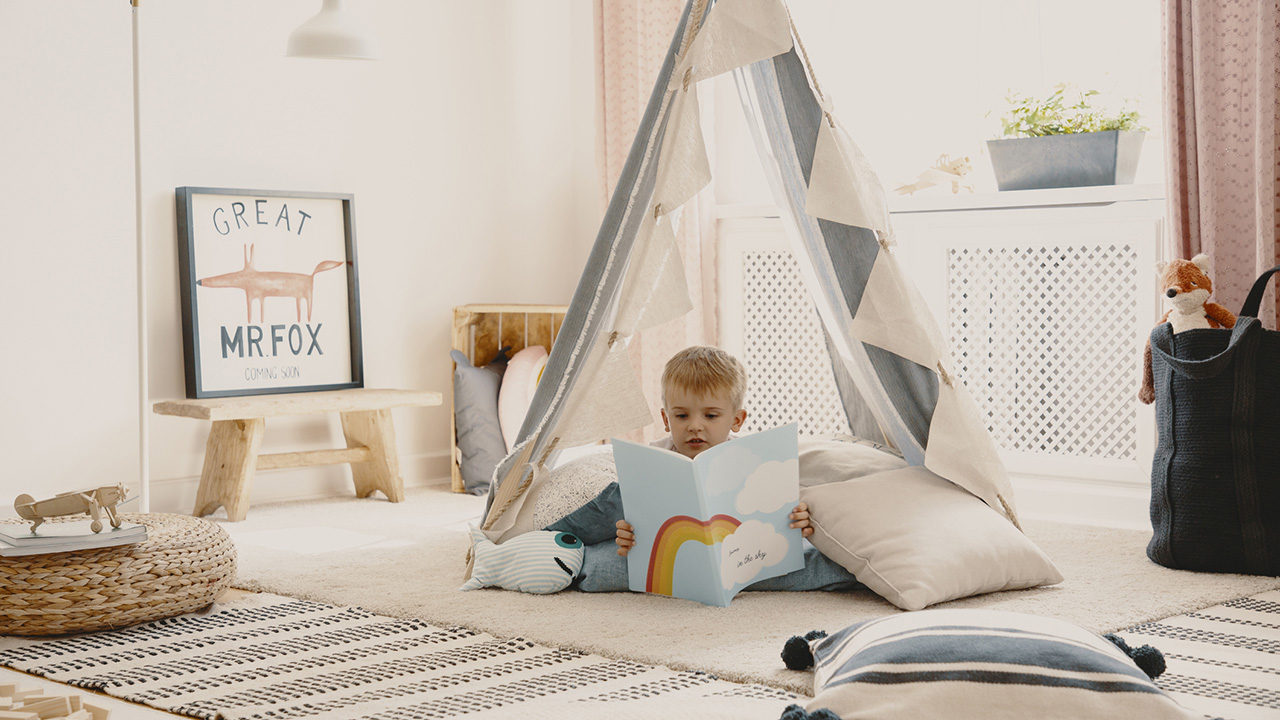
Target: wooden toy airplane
{"x": 944, "y": 171}
{"x": 95, "y": 502}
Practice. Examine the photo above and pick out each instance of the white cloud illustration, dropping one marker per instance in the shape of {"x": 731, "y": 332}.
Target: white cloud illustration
{"x": 751, "y": 548}
{"x": 771, "y": 486}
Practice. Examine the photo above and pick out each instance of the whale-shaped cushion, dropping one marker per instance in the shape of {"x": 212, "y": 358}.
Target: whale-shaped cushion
{"x": 541, "y": 561}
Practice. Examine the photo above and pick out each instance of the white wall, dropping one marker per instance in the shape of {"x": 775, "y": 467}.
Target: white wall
{"x": 68, "y": 370}
{"x": 468, "y": 149}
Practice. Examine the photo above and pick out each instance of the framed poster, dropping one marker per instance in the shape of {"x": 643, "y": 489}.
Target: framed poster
{"x": 270, "y": 299}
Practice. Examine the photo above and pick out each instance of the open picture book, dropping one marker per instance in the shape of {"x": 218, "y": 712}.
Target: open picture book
{"x": 709, "y": 526}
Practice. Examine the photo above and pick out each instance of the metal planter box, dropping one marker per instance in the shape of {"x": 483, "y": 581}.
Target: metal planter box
{"x": 1054, "y": 161}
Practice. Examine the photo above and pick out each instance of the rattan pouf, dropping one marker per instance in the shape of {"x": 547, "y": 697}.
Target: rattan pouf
{"x": 184, "y": 563}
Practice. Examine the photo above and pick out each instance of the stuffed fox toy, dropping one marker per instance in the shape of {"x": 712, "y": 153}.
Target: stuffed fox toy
{"x": 1187, "y": 286}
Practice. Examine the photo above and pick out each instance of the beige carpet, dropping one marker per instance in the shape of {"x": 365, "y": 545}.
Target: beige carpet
{"x": 407, "y": 559}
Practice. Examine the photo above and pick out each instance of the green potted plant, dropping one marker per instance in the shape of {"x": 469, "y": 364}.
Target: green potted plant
{"x": 1063, "y": 140}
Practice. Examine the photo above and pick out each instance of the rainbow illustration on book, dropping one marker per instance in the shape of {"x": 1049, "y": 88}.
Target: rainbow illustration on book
{"x": 708, "y": 527}
{"x": 674, "y": 533}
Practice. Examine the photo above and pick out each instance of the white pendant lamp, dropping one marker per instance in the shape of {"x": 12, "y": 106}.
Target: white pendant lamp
{"x": 333, "y": 33}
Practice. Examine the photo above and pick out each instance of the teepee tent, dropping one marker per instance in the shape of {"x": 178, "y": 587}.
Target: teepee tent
{"x": 887, "y": 353}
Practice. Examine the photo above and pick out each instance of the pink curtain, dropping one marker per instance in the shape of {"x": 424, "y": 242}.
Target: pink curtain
{"x": 1222, "y": 68}
{"x": 632, "y": 39}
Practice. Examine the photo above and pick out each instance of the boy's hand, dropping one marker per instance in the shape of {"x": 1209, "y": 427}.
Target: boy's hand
{"x": 627, "y": 538}
{"x": 799, "y": 519}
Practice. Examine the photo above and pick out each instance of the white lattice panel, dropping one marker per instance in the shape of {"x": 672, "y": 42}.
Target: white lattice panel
{"x": 788, "y": 367}
{"x": 1045, "y": 340}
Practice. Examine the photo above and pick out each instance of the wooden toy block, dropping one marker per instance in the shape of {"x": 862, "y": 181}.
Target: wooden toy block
{"x": 36, "y": 704}
{"x": 49, "y": 707}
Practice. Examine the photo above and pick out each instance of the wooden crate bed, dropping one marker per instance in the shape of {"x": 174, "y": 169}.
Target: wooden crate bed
{"x": 479, "y": 331}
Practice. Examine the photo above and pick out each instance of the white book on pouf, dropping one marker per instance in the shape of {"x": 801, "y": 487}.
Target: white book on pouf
{"x": 17, "y": 539}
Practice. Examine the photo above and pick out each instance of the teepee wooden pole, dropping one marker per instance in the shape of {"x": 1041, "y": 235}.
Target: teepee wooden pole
{"x": 694, "y": 25}
{"x": 508, "y": 491}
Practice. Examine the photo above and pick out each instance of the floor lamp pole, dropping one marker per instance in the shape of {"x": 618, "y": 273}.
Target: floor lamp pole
{"x": 144, "y": 391}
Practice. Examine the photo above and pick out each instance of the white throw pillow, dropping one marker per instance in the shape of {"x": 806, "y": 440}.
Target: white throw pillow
{"x": 571, "y": 485}
{"x": 916, "y": 539}
{"x": 826, "y": 460}
{"x": 518, "y": 385}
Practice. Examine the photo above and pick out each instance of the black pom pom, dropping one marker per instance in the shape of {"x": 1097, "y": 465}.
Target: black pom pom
{"x": 796, "y": 654}
{"x": 1119, "y": 642}
{"x": 1148, "y": 659}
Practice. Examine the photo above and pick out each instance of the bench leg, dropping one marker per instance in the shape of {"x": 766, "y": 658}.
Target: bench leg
{"x": 230, "y": 458}
{"x": 374, "y": 429}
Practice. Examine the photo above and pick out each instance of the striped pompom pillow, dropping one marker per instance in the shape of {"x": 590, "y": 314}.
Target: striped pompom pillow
{"x": 984, "y": 664}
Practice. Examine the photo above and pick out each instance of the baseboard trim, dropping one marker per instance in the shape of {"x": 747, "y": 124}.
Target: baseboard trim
{"x": 1083, "y": 502}
{"x": 178, "y": 495}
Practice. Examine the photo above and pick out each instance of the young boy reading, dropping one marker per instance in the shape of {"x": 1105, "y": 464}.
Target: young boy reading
{"x": 702, "y": 391}
{"x": 702, "y": 398}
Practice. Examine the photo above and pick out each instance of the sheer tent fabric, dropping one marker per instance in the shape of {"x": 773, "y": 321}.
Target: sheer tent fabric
{"x": 882, "y": 339}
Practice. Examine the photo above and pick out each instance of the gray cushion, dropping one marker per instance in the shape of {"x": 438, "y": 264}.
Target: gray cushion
{"x": 595, "y": 522}
{"x": 475, "y": 412}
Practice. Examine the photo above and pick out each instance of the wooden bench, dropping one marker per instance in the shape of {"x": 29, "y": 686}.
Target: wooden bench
{"x": 231, "y": 455}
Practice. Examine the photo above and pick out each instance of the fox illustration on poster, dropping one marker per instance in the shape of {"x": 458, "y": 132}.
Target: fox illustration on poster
{"x": 269, "y": 289}
{"x": 709, "y": 526}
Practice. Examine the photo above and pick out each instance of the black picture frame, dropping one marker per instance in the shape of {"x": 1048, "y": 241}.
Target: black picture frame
{"x": 226, "y": 236}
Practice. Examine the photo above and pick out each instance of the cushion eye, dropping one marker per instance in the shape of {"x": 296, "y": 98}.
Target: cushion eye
{"x": 568, "y": 540}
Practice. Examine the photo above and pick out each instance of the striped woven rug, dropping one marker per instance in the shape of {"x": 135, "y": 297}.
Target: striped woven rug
{"x": 1223, "y": 661}
{"x": 268, "y": 657}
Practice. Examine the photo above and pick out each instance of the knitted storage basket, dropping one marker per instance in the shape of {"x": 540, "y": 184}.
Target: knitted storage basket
{"x": 1215, "y": 494}
{"x": 184, "y": 564}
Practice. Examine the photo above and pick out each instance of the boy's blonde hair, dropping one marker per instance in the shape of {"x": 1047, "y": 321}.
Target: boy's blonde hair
{"x": 702, "y": 371}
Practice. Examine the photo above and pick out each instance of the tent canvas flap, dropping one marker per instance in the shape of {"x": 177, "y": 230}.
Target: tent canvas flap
{"x": 736, "y": 33}
{"x": 654, "y": 290}
{"x": 843, "y": 187}
{"x": 890, "y": 313}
